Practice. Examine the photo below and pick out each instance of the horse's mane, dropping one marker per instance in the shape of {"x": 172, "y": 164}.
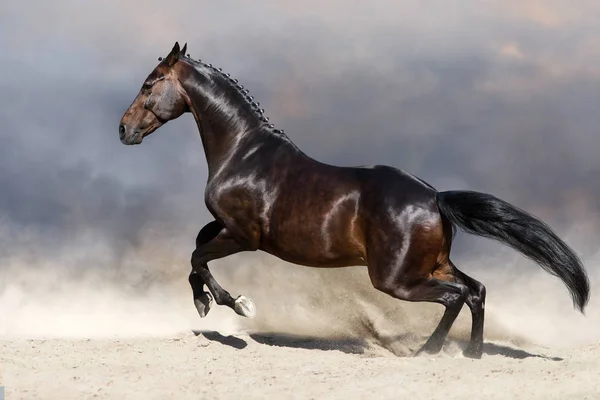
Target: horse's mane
{"x": 233, "y": 83}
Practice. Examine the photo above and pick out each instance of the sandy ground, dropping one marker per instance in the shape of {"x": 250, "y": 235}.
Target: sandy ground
{"x": 244, "y": 366}
{"x": 317, "y": 334}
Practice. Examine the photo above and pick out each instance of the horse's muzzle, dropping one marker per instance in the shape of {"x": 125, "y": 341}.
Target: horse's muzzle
{"x": 129, "y": 136}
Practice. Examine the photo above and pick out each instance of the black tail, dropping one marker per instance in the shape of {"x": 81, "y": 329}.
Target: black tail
{"x": 485, "y": 215}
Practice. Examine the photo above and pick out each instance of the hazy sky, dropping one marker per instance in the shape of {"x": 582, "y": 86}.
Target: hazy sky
{"x": 494, "y": 96}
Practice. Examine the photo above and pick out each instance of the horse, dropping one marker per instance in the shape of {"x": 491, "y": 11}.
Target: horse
{"x": 266, "y": 194}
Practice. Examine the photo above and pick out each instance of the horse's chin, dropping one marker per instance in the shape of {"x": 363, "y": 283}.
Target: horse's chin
{"x": 150, "y": 131}
{"x": 132, "y": 140}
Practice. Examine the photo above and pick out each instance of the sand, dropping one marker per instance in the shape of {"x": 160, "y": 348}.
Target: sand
{"x": 258, "y": 367}
{"x": 317, "y": 334}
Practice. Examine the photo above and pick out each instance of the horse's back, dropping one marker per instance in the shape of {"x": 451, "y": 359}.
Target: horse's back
{"x": 385, "y": 186}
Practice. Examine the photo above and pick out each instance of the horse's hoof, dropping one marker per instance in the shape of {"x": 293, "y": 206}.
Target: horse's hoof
{"x": 430, "y": 349}
{"x": 245, "y": 307}
{"x": 471, "y": 352}
{"x": 203, "y": 304}
{"x": 422, "y": 352}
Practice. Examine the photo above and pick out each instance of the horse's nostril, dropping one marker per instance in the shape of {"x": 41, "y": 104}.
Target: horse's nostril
{"x": 121, "y": 131}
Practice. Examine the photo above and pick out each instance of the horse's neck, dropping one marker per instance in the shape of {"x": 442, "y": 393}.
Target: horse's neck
{"x": 238, "y": 147}
{"x": 221, "y": 128}
{"x": 219, "y": 146}
{"x": 225, "y": 129}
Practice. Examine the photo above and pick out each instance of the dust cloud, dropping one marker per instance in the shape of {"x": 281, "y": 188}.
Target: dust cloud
{"x": 146, "y": 293}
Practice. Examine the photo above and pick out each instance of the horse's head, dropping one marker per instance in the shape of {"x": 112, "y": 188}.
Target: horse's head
{"x": 160, "y": 99}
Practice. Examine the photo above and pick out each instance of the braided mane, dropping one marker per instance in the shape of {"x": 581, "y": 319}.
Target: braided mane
{"x": 245, "y": 93}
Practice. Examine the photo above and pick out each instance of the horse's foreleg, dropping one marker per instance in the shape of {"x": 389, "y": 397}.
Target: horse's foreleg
{"x": 203, "y": 300}
{"x": 214, "y": 242}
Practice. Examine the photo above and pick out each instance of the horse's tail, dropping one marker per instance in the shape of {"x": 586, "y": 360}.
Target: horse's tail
{"x": 485, "y": 215}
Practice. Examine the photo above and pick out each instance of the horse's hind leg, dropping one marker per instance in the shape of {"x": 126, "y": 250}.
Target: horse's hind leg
{"x": 476, "y": 302}
{"x": 408, "y": 269}
{"x": 452, "y": 297}
{"x": 398, "y": 282}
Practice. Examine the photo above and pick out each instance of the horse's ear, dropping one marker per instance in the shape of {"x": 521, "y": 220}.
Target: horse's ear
{"x": 173, "y": 56}
{"x": 184, "y": 49}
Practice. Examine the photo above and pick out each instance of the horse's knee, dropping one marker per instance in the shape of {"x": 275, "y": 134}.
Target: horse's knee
{"x": 194, "y": 278}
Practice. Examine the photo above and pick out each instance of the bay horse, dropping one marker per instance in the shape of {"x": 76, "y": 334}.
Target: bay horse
{"x": 266, "y": 194}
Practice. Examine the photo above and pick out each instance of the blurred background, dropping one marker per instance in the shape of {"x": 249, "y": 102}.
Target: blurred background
{"x": 493, "y": 96}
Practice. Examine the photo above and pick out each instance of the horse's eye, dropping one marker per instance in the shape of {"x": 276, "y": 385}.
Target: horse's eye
{"x": 147, "y": 86}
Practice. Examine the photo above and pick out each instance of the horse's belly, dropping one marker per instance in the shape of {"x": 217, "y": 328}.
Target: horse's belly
{"x": 309, "y": 258}
{"x": 316, "y": 247}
